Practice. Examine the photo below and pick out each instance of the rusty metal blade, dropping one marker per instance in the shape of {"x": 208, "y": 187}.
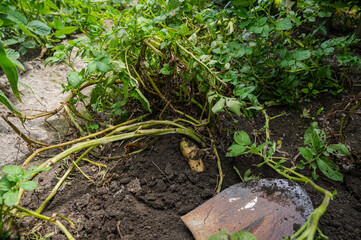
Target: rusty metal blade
{"x": 268, "y": 208}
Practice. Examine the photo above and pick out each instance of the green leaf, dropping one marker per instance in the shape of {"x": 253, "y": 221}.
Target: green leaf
{"x": 10, "y": 71}
{"x": 104, "y": 64}
{"x": 340, "y": 149}
{"x": 33, "y": 170}
{"x": 13, "y": 170}
{"x": 17, "y": 17}
{"x": 65, "y": 31}
{"x": 243, "y": 235}
{"x": 25, "y": 30}
{"x": 242, "y": 138}
{"x": 165, "y": 70}
{"x": 242, "y": 3}
{"x": 10, "y": 198}
{"x": 103, "y": 67}
{"x": 28, "y": 185}
{"x": 306, "y": 153}
{"x": 29, "y": 44}
{"x": 234, "y": 106}
{"x": 39, "y": 28}
{"x": 284, "y": 24}
{"x": 223, "y": 234}
{"x": 6, "y": 184}
{"x": 58, "y": 24}
{"x": 74, "y": 79}
{"x": 329, "y": 168}
{"x": 4, "y": 100}
{"x": 13, "y": 56}
{"x": 51, "y": 5}
{"x": 219, "y": 105}
{"x": 301, "y": 55}
{"x": 235, "y": 150}
{"x": 118, "y": 66}
{"x": 91, "y": 67}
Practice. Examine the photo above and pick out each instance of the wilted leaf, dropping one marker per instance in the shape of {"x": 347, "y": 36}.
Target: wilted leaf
{"x": 234, "y": 106}
{"x": 219, "y": 105}
{"x": 143, "y": 100}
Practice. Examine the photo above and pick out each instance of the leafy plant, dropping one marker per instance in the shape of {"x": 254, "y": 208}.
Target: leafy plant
{"x": 317, "y": 153}
{"x": 13, "y": 179}
{"x": 284, "y": 66}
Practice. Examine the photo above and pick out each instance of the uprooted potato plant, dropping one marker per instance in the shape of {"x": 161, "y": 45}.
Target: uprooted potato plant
{"x": 168, "y": 67}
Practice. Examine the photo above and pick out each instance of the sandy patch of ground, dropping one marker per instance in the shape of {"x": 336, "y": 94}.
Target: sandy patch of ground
{"x": 45, "y": 95}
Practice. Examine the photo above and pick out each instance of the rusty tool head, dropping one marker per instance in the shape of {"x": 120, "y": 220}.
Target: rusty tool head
{"x": 268, "y": 208}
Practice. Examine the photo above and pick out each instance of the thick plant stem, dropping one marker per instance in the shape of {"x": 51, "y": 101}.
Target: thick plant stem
{"x": 105, "y": 140}
{"x": 81, "y": 139}
{"x": 49, "y": 219}
{"x": 308, "y": 230}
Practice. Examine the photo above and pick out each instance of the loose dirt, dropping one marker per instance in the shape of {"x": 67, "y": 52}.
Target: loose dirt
{"x": 143, "y": 197}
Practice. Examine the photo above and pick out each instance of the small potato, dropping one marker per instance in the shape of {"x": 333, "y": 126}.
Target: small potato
{"x": 190, "y": 151}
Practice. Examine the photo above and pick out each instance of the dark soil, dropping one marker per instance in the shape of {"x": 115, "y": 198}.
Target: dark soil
{"x": 143, "y": 197}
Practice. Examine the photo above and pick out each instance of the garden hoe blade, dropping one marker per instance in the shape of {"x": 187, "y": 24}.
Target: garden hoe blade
{"x": 267, "y": 208}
